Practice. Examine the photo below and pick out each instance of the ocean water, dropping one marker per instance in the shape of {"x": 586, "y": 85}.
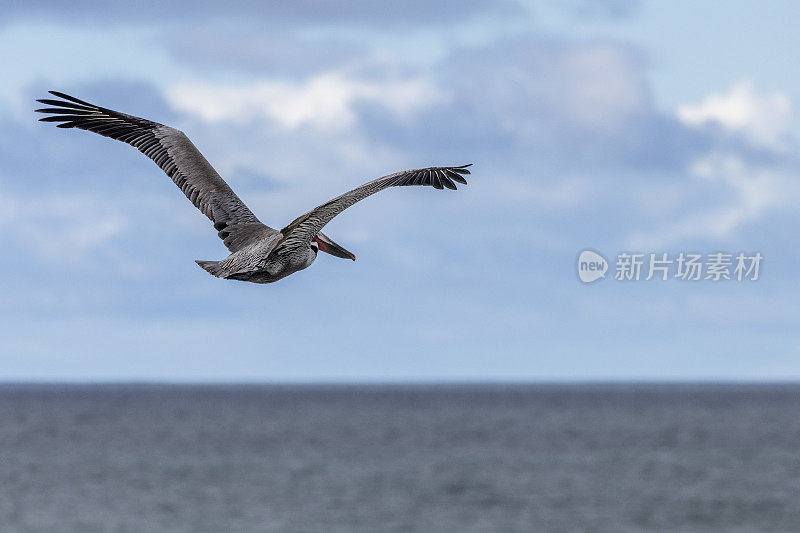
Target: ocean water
{"x": 399, "y": 458}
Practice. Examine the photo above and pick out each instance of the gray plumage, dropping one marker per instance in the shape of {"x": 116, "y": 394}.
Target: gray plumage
{"x": 259, "y": 253}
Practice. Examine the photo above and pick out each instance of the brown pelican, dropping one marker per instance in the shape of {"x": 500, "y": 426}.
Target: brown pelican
{"x": 259, "y": 254}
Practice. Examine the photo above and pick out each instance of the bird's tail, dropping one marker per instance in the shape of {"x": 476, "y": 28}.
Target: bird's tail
{"x": 212, "y": 267}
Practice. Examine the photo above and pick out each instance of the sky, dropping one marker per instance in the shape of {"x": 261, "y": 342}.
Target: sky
{"x": 618, "y": 126}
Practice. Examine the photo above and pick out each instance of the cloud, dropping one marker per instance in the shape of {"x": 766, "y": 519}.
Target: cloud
{"x": 739, "y": 179}
{"x": 324, "y": 101}
{"x": 60, "y": 229}
{"x": 765, "y": 119}
{"x": 541, "y": 112}
{"x": 269, "y": 13}
{"x": 281, "y": 51}
{"x": 748, "y": 191}
{"x": 298, "y": 102}
{"x": 594, "y": 87}
{"x": 599, "y": 9}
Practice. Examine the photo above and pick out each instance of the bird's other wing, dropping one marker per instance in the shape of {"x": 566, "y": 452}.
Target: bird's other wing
{"x": 307, "y": 226}
{"x": 171, "y": 150}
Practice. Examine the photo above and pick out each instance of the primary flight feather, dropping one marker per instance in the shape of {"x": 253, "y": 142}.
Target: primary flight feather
{"x": 259, "y": 253}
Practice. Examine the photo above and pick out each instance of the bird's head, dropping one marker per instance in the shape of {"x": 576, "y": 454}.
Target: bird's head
{"x": 324, "y": 243}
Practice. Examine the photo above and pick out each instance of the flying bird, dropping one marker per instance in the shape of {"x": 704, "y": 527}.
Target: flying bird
{"x": 259, "y": 253}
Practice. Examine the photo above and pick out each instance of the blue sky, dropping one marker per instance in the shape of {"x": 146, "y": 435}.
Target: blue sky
{"x": 616, "y": 125}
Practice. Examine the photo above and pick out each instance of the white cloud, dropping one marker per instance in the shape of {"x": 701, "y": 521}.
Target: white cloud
{"x": 754, "y": 191}
{"x": 743, "y": 192}
{"x": 765, "y": 119}
{"x": 324, "y": 101}
{"x": 547, "y": 93}
{"x": 60, "y": 229}
{"x": 601, "y": 89}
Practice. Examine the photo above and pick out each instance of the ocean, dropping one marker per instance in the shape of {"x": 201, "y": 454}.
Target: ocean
{"x": 405, "y": 458}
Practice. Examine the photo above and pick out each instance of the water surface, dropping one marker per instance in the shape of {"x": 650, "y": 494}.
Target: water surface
{"x": 399, "y": 458}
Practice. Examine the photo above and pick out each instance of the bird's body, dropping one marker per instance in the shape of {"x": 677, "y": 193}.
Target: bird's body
{"x": 259, "y": 253}
{"x": 260, "y": 262}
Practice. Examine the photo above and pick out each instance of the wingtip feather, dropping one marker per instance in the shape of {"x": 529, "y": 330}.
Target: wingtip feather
{"x": 69, "y": 98}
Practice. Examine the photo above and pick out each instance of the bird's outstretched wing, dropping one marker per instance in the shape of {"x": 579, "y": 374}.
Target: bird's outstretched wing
{"x": 178, "y": 158}
{"x": 307, "y": 226}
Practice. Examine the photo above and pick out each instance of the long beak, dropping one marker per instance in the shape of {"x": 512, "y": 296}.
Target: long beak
{"x": 327, "y": 245}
